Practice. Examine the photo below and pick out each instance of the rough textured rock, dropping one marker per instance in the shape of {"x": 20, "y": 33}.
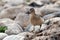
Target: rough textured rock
{"x": 31, "y": 28}
{"x": 52, "y": 15}
{"x": 9, "y": 13}
{"x": 14, "y": 2}
{"x": 50, "y": 22}
{"x": 12, "y": 12}
{"x": 29, "y": 35}
{"x": 51, "y": 26}
{"x": 15, "y": 37}
{"x": 12, "y": 27}
{"x": 3, "y": 35}
{"x": 21, "y": 36}
{"x": 53, "y": 37}
{"x": 48, "y": 9}
{"x": 22, "y": 19}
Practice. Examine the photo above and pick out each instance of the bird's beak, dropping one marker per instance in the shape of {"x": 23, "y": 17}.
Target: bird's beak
{"x": 28, "y": 12}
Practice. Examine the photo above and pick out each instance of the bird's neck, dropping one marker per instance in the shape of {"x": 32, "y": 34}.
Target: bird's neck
{"x": 33, "y": 14}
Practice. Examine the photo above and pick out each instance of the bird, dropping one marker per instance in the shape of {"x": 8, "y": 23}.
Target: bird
{"x": 34, "y": 19}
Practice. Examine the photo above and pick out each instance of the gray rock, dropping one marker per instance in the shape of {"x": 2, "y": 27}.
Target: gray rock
{"x": 14, "y": 2}
{"x": 41, "y": 38}
{"x": 12, "y": 12}
{"x": 22, "y": 19}
{"x": 52, "y": 15}
{"x": 21, "y": 36}
{"x": 12, "y": 27}
{"x": 29, "y": 35}
{"x": 15, "y": 37}
{"x": 3, "y": 35}
{"x": 48, "y": 9}
{"x": 51, "y": 26}
{"x": 48, "y": 1}
{"x": 48, "y": 16}
{"x": 31, "y": 28}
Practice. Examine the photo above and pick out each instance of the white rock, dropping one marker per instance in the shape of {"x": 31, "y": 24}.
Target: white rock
{"x": 12, "y": 27}
{"x": 32, "y": 28}
{"x": 43, "y": 27}
{"x": 37, "y": 28}
{"x": 50, "y": 22}
{"x": 25, "y": 34}
{"x": 3, "y": 35}
{"x": 58, "y": 3}
{"x": 48, "y": 16}
{"x": 14, "y": 2}
{"x": 48, "y": 9}
{"x": 9, "y": 13}
{"x": 45, "y": 1}
{"x": 22, "y": 19}
{"x": 21, "y": 36}
{"x": 52, "y": 15}
{"x": 12, "y": 12}
{"x": 48, "y": 1}
{"x": 9, "y": 37}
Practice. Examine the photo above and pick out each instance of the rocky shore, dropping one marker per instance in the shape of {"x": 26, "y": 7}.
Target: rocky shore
{"x": 19, "y": 24}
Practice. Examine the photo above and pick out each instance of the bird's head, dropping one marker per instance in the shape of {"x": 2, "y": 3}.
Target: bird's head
{"x": 31, "y": 11}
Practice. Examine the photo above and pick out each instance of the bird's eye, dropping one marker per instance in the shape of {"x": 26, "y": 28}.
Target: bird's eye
{"x": 32, "y": 9}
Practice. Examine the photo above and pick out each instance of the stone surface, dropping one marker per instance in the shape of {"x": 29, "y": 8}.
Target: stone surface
{"x": 21, "y": 36}
{"x": 12, "y": 27}
{"x": 14, "y": 2}
{"x": 3, "y": 35}
{"x": 31, "y": 28}
{"x": 22, "y": 19}
{"x": 13, "y": 15}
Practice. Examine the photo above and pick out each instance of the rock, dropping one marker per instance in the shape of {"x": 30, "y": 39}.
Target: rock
{"x": 12, "y": 12}
{"x": 53, "y": 37}
{"x": 2, "y": 5}
{"x": 51, "y": 26}
{"x": 58, "y": 3}
{"x": 14, "y": 2}
{"x": 12, "y": 37}
{"x": 21, "y": 36}
{"x": 34, "y": 4}
{"x": 31, "y": 28}
{"x": 15, "y": 37}
{"x": 12, "y": 27}
{"x": 5, "y": 21}
{"x": 49, "y": 22}
{"x": 49, "y": 9}
{"x": 43, "y": 27}
{"x": 52, "y": 15}
{"x": 9, "y": 13}
{"x": 6, "y": 6}
{"x": 48, "y": 16}
{"x": 41, "y": 38}
{"x": 22, "y": 20}
{"x": 27, "y": 34}
{"x": 3, "y": 35}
